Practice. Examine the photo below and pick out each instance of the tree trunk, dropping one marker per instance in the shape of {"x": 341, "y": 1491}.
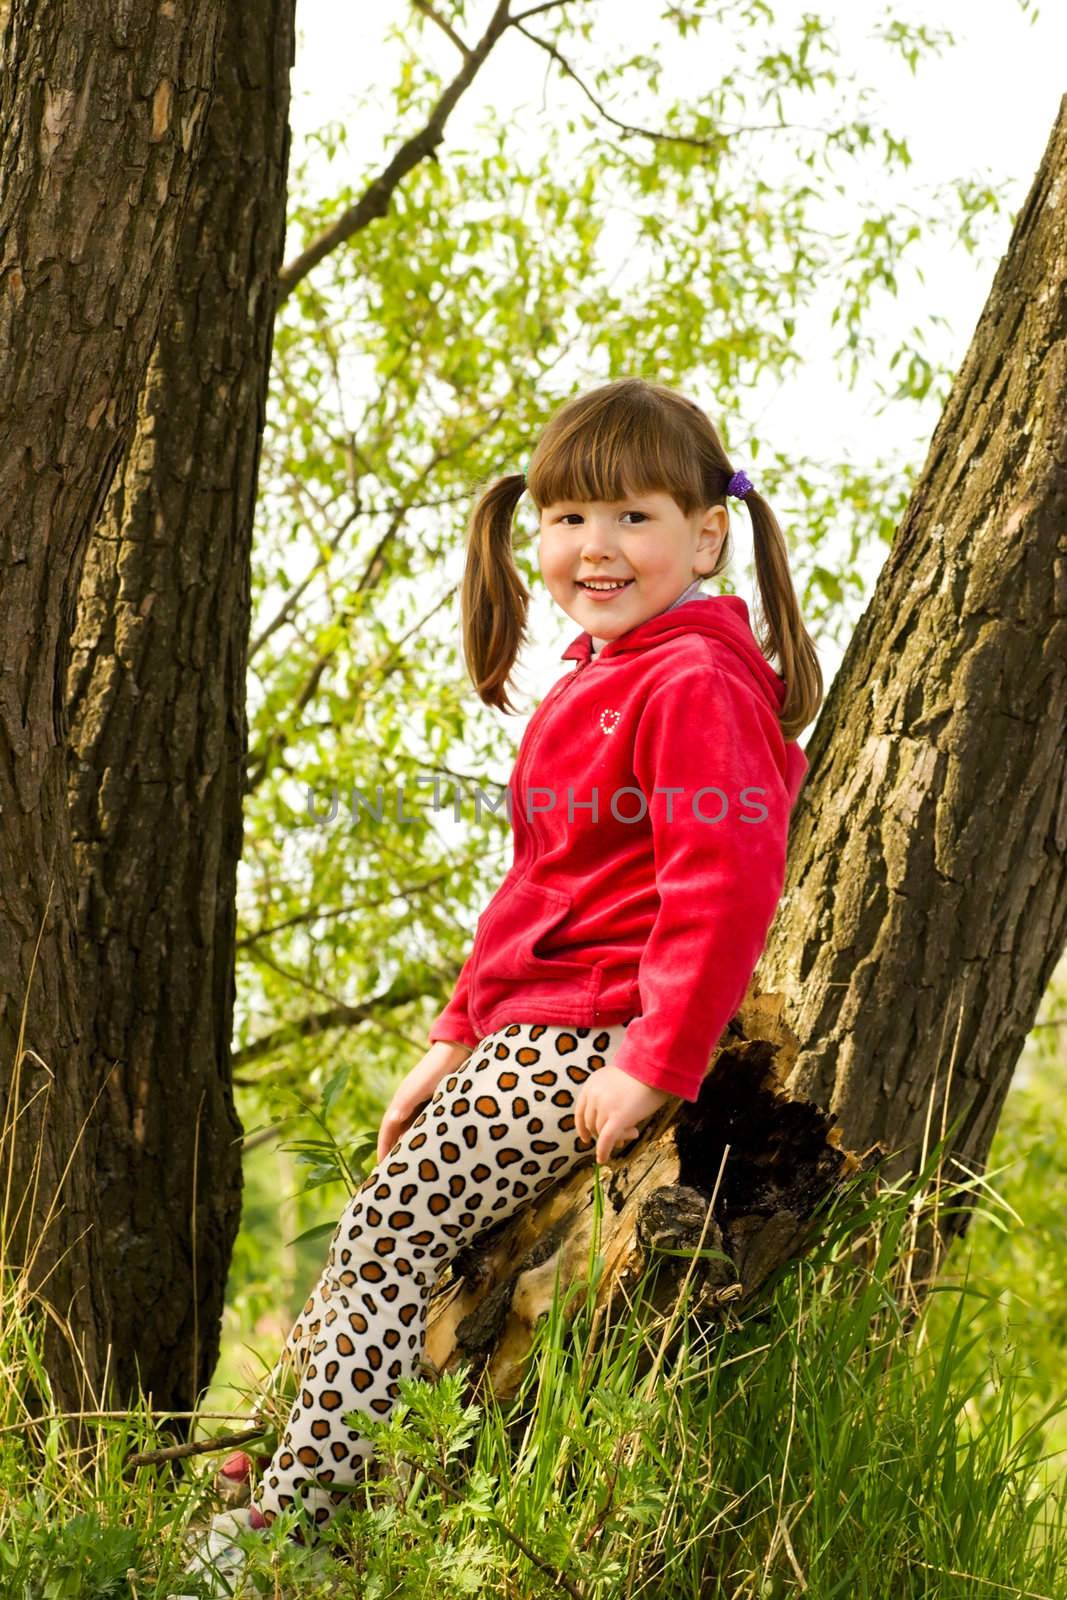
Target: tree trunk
{"x": 101, "y": 118}
{"x": 926, "y": 898}
{"x": 157, "y": 700}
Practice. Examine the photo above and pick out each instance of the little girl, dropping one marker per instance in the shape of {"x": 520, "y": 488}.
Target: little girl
{"x": 649, "y": 806}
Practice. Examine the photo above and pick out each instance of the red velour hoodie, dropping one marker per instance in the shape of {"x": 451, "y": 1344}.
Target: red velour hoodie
{"x": 649, "y": 806}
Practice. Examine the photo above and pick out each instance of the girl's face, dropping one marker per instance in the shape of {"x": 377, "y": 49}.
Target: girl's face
{"x": 646, "y": 541}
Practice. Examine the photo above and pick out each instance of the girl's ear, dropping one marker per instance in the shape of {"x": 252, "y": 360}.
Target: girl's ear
{"x": 714, "y": 530}
{"x": 717, "y": 520}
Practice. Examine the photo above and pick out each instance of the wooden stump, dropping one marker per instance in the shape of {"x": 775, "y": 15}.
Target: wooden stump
{"x": 668, "y": 1190}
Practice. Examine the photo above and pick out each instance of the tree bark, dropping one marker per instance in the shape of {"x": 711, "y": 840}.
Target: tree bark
{"x": 101, "y": 119}
{"x": 159, "y": 734}
{"x": 925, "y": 904}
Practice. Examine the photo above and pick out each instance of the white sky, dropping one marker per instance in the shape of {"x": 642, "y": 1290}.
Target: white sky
{"x": 985, "y": 108}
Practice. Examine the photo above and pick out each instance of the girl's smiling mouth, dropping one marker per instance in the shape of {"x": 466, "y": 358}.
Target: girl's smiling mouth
{"x": 609, "y": 588}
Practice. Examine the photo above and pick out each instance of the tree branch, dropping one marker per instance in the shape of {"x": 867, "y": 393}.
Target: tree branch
{"x": 715, "y": 143}
{"x": 316, "y": 912}
{"x": 445, "y": 26}
{"x": 399, "y": 993}
{"x": 374, "y": 202}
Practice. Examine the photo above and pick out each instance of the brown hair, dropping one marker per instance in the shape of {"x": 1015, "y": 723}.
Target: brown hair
{"x": 626, "y": 437}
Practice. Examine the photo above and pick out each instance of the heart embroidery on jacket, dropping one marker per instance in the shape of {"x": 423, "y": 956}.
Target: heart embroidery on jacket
{"x": 609, "y": 720}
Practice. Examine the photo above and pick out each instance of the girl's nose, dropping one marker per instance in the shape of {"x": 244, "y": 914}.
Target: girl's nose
{"x": 597, "y": 542}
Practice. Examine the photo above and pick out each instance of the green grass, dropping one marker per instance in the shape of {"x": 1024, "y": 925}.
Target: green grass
{"x": 817, "y": 1445}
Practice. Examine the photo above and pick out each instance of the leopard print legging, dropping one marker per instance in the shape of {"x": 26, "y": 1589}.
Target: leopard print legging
{"x": 498, "y": 1130}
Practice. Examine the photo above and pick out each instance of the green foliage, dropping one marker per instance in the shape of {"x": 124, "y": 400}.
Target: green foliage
{"x": 671, "y": 1459}
{"x": 816, "y": 1433}
{"x": 84, "y": 1558}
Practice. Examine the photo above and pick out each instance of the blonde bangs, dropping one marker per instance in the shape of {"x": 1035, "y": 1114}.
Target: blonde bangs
{"x": 617, "y": 442}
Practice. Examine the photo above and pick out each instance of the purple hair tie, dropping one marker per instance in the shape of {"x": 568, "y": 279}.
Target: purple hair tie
{"x": 739, "y": 485}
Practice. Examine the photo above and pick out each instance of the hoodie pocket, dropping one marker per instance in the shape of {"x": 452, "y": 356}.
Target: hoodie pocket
{"x": 510, "y": 940}
{"x": 545, "y": 909}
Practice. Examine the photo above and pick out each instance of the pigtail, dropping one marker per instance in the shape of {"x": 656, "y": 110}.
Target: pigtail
{"x": 785, "y": 634}
{"x": 493, "y": 600}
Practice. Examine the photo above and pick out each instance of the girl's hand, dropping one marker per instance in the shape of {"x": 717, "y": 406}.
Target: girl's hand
{"x": 609, "y": 1107}
{"x": 416, "y": 1090}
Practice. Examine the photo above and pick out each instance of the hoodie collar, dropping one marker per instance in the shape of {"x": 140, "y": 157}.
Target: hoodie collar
{"x": 718, "y": 616}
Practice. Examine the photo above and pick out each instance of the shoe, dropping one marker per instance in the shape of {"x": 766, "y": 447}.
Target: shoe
{"x": 216, "y": 1553}
{"x": 233, "y": 1481}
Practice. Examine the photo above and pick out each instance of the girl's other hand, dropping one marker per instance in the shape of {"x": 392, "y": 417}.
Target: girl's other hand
{"x": 416, "y": 1090}
{"x": 609, "y": 1107}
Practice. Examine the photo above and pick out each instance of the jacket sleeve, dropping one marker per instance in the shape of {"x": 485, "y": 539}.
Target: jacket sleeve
{"x": 453, "y": 1023}
{"x": 718, "y": 882}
